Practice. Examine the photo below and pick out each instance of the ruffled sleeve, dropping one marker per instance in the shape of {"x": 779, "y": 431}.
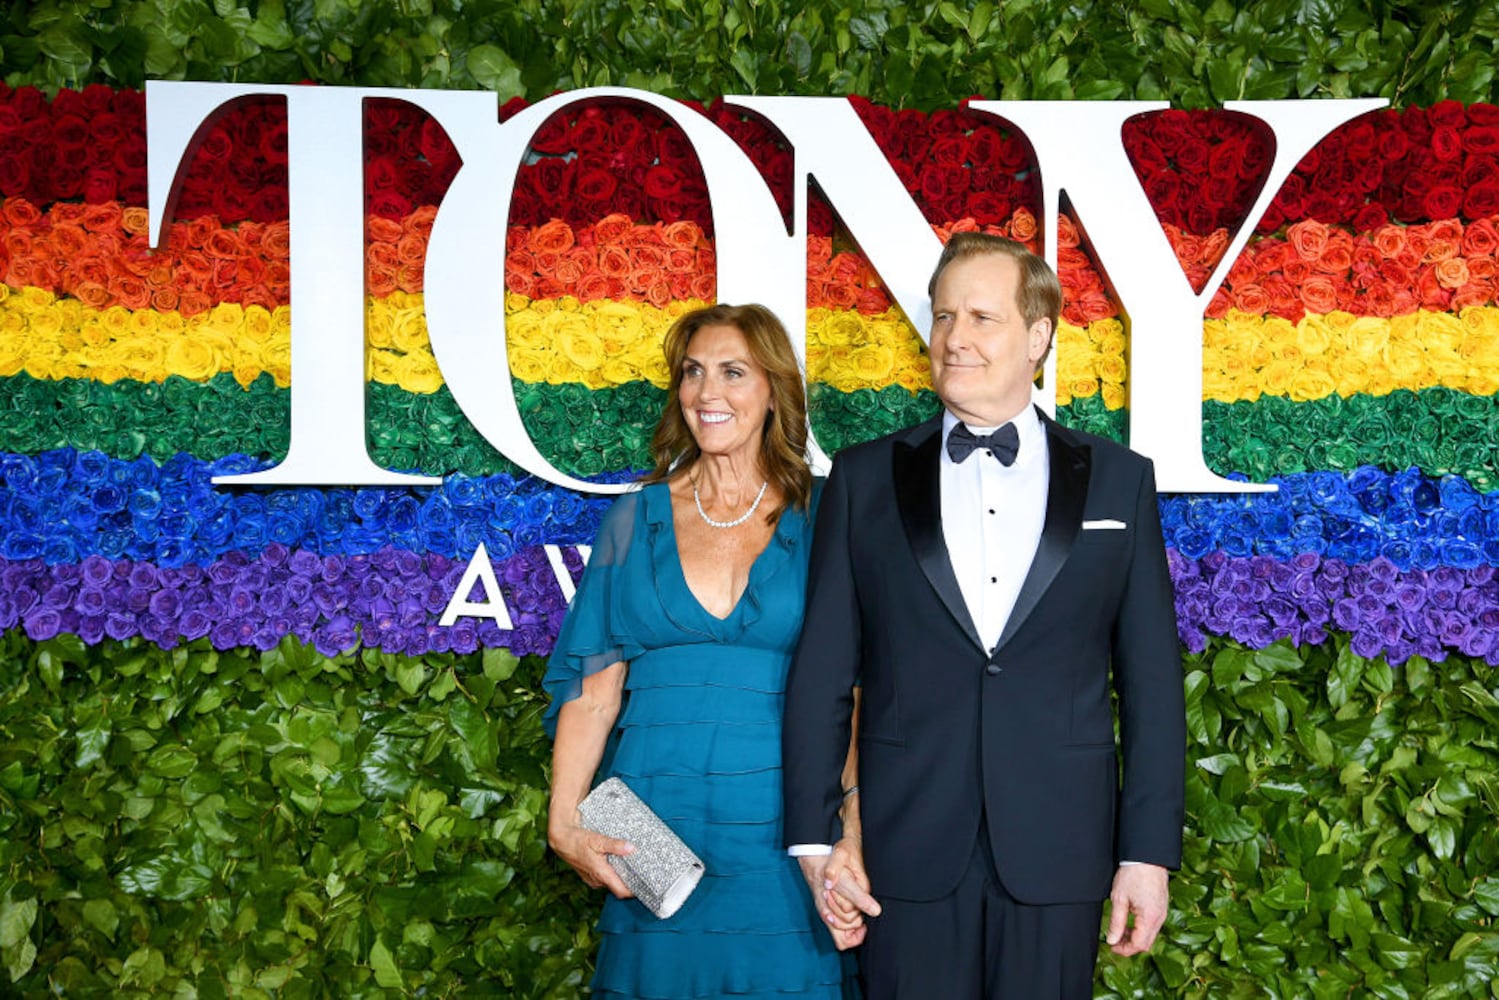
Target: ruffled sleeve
{"x": 592, "y": 636}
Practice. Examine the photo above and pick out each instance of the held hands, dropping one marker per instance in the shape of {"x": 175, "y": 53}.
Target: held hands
{"x": 1140, "y": 891}
{"x": 840, "y": 890}
{"x": 584, "y": 850}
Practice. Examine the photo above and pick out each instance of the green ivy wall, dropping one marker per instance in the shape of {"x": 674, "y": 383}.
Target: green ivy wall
{"x": 1342, "y": 837}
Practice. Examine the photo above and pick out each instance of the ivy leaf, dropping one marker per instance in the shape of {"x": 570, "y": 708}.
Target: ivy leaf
{"x": 16, "y": 920}
{"x": 494, "y": 70}
{"x": 387, "y": 974}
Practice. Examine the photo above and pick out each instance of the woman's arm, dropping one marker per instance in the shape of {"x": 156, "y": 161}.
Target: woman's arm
{"x": 583, "y": 727}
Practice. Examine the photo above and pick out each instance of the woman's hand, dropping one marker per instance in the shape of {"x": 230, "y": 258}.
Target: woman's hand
{"x": 585, "y": 851}
{"x": 846, "y": 893}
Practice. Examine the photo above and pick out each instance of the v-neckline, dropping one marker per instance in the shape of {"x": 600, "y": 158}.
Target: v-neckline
{"x": 749, "y": 578}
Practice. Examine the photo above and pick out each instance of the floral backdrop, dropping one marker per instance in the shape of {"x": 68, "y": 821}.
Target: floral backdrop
{"x": 1350, "y": 358}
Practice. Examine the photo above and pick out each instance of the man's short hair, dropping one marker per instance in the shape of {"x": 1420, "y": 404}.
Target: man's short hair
{"x": 1040, "y": 293}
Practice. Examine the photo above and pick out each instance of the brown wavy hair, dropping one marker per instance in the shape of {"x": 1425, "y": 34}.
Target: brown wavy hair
{"x": 783, "y": 441}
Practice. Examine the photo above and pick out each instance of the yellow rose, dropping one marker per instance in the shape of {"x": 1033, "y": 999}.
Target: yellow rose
{"x": 45, "y": 325}
{"x": 12, "y": 354}
{"x": 528, "y": 364}
{"x": 377, "y": 326}
{"x": 873, "y": 364}
{"x": 1082, "y": 387}
{"x": 516, "y": 302}
{"x": 1111, "y": 369}
{"x": 170, "y": 322}
{"x": 1275, "y": 378}
{"x": 1308, "y": 385}
{"x": 523, "y": 330}
{"x": 409, "y": 331}
{"x": 655, "y": 371}
{"x": 231, "y": 316}
{"x": 1113, "y": 395}
{"x": 581, "y": 347}
{"x": 142, "y": 358}
{"x": 842, "y": 327}
{"x": 275, "y": 357}
{"x": 418, "y": 373}
{"x": 379, "y": 366}
{"x": 116, "y": 320}
{"x": 619, "y": 371}
{"x": 914, "y": 377}
{"x": 544, "y": 307}
{"x": 33, "y": 299}
{"x": 1483, "y": 384}
{"x": 191, "y": 358}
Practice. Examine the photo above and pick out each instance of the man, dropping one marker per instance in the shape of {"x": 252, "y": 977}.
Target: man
{"x": 988, "y": 578}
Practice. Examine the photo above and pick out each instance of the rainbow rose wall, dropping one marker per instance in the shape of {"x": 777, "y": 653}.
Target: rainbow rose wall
{"x": 286, "y": 740}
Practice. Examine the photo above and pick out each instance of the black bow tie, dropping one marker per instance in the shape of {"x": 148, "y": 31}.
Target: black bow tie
{"x": 1003, "y": 444}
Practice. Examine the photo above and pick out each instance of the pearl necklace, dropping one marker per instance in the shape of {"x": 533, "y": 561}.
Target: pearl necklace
{"x": 738, "y": 520}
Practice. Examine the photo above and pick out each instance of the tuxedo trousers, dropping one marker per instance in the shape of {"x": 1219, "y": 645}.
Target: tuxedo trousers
{"x": 979, "y": 943}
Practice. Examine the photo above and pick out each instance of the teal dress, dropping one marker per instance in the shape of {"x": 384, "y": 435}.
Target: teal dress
{"x": 699, "y": 739}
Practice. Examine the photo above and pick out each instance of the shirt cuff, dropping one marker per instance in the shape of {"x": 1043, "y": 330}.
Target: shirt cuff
{"x": 1126, "y": 864}
{"x": 809, "y": 850}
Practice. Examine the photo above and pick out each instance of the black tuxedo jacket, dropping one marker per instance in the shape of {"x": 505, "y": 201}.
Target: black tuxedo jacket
{"x": 1024, "y": 733}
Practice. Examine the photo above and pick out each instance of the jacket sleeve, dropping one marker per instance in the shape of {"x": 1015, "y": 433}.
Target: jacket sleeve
{"x": 823, "y": 671}
{"x": 1152, "y": 712}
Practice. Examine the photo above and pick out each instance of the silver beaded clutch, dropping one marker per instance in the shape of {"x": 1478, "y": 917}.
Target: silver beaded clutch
{"x": 663, "y": 871}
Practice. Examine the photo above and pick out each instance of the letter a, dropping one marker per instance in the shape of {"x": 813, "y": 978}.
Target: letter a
{"x": 480, "y": 569}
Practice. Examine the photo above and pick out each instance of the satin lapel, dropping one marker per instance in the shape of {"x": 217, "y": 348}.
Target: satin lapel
{"x": 1068, "y": 489}
{"x": 918, "y": 492}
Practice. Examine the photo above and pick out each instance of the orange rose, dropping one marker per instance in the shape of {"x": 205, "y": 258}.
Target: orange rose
{"x": 1480, "y": 239}
{"x": 276, "y": 240}
{"x": 67, "y": 213}
{"x": 420, "y": 220}
{"x": 554, "y": 237}
{"x": 1319, "y": 294}
{"x": 1308, "y": 238}
{"x": 680, "y": 261}
{"x": 412, "y": 249}
{"x": 199, "y": 229}
{"x": 381, "y": 255}
{"x": 68, "y": 241}
{"x": 92, "y": 294}
{"x": 130, "y": 292}
{"x": 20, "y": 212}
{"x": 224, "y": 244}
{"x": 409, "y": 278}
{"x": 681, "y": 235}
{"x": 135, "y": 220}
{"x": 1445, "y": 231}
{"x": 612, "y": 228}
{"x": 1481, "y": 268}
{"x": 382, "y": 230}
{"x": 569, "y": 271}
{"x": 705, "y": 286}
{"x": 164, "y": 299}
{"x": 91, "y": 268}
{"x": 659, "y": 292}
{"x": 648, "y": 258}
{"x": 1066, "y": 231}
{"x": 521, "y": 283}
{"x": 1452, "y": 272}
{"x": 1251, "y": 299}
{"x": 379, "y": 280}
{"x": 592, "y": 286}
{"x": 614, "y": 261}
{"x": 1022, "y": 225}
{"x": 1474, "y": 293}
{"x": 103, "y": 217}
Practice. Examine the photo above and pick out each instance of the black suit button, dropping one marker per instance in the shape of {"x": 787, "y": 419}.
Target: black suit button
{"x": 993, "y": 669}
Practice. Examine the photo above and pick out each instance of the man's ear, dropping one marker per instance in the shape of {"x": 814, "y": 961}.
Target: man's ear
{"x": 1040, "y": 334}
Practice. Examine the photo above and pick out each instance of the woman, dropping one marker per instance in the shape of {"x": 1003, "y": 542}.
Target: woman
{"x": 677, "y": 643}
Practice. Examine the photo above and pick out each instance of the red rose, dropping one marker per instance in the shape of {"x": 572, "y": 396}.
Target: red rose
{"x": 1482, "y": 200}
{"x": 662, "y": 181}
{"x": 1442, "y": 202}
{"x": 1449, "y": 113}
{"x": 1446, "y": 144}
{"x": 1370, "y": 217}
{"x": 950, "y": 151}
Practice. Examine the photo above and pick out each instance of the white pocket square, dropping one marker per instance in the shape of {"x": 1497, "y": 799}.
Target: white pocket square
{"x": 1103, "y": 524}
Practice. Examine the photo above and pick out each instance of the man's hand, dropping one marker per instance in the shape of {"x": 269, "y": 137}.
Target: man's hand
{"x": 840, "y": 891}
{"x": 1140, "y": 891}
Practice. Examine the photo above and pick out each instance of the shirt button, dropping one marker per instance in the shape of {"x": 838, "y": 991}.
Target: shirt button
{"x": 992, "y": 669}
{"x": 993, "y": 579}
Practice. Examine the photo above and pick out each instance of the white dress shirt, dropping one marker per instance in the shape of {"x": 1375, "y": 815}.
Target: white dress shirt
{"x": 992, "y": 517}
